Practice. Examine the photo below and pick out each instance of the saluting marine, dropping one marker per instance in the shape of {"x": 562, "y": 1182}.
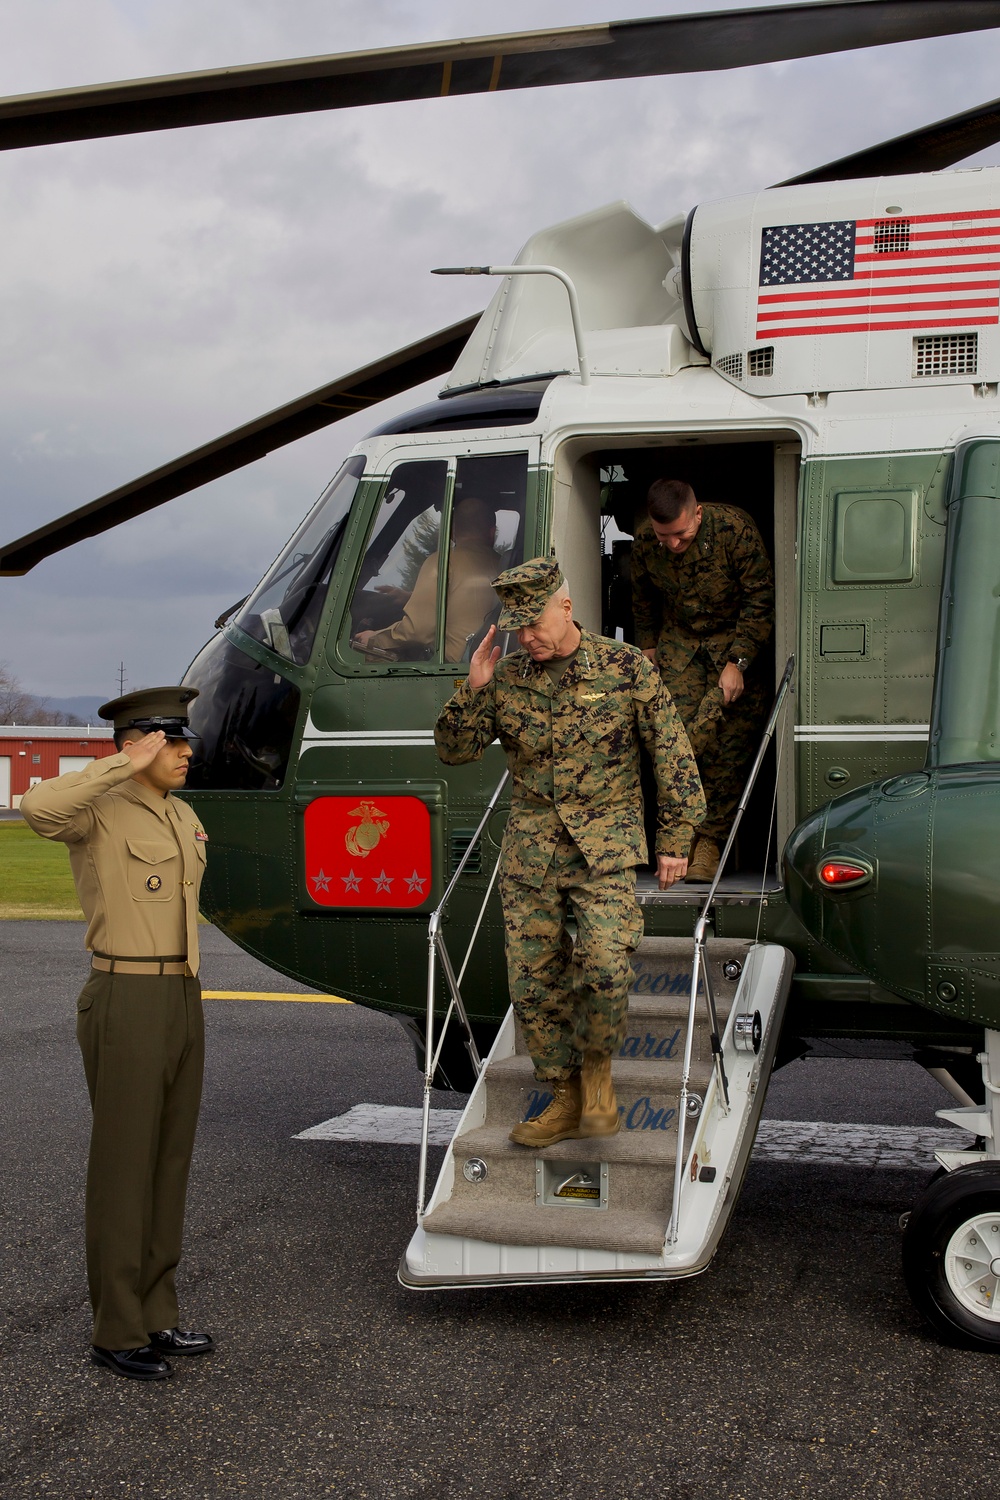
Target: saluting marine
{"x": 570, "y": 709}
{"x": 138, "y": 856}
{"x": 703, "y": 604}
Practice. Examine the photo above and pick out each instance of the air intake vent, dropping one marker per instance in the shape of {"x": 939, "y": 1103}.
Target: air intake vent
{"x": 731, "y": 365}
{"x": 946, "y": 354}
{"x": 460, "y": 841}
{"x": 892, "y": 236}
{"x": 760, "y": 362}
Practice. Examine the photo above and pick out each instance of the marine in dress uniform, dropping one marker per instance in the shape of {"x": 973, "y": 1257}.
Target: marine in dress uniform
{"x": 570, "y": 709}
{"x": 703, "y": 604}
{"x": 138, "y": 856}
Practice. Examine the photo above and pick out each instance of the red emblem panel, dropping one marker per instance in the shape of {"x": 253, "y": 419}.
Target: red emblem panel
{"x": 368, "y": 851}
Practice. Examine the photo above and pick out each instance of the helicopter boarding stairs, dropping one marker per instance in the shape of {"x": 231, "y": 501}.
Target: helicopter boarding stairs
{"x": 651, "y": 1202}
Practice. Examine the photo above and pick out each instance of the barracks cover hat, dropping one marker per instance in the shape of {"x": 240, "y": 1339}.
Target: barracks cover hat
{"x": 151, "y": 709}
{"x": 525, "y": 590}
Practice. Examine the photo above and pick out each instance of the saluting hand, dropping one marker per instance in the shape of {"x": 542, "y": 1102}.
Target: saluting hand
{"x": 143, "y": 752}
{"x": 484, "y": 661}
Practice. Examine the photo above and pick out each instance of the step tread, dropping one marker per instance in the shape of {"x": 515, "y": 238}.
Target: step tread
{"x": 574, "y": 1228}
{"x": 675, "y": 1007}
{"x": 630, "y": 1072}
{"x": 632, "y": 1147}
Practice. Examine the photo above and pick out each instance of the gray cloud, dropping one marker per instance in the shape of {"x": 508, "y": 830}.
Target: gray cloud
{"x": 159, "y": 290}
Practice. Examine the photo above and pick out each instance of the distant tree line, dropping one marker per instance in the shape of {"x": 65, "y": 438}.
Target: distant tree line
{"x": 19, "y": 707}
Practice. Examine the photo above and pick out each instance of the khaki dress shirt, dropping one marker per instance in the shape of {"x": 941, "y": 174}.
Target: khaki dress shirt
{"x": 471, "y": 569}
{"x": 137, "y": 859}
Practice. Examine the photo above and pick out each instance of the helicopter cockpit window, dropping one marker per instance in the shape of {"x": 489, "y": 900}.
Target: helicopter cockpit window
{"x": 394, "y": 607}
{"x": 395, "y": 612}
{"x": 284, "y": 610}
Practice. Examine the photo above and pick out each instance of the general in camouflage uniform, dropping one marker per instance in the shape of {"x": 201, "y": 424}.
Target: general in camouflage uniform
{"x": 570, "y": 709}
{"x": 703, "y": 603}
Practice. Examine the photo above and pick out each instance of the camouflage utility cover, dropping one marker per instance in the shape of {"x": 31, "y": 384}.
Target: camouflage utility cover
{"x": 717, "y": 596}
{"x": 525, "y": 590}
{"x": 573, "y": 750}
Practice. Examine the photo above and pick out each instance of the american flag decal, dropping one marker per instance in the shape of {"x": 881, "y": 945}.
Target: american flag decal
{"x": 869, "y": 275}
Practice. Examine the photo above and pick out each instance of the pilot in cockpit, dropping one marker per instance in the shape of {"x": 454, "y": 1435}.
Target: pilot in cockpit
{"x": 472, "y": 565}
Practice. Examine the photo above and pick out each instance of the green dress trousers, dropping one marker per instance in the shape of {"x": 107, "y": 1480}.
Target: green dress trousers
{"x": 143, "y": 1045}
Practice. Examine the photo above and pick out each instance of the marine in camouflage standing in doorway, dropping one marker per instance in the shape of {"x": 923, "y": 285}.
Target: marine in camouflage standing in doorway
{"x": 703, "y": 603}
{"x": 570, "y": 709}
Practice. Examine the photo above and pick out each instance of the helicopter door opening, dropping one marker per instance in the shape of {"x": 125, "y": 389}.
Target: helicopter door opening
{"x": 600, "y": 498}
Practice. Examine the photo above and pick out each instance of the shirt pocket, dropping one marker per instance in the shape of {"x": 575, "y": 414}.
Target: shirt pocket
{"x": 153, "y": 869}
{"x": 608, "y": 736}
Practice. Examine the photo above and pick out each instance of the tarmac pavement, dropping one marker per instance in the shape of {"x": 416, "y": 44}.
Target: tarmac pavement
{"x": 795, "y": 1366}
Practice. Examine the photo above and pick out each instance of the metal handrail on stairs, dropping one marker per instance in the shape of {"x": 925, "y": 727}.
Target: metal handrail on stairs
{"x": 437, "y": 953}
{"x": 700, "y": 974}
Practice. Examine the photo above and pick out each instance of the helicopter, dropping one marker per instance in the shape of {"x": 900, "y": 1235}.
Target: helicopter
{"x": 835, "y": 342}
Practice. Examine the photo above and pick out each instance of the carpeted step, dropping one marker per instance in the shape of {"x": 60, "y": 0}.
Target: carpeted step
{"x": 644, "y": 1089}
{"x": 638, "y": 1177}
{"x": 578, "y": 1228}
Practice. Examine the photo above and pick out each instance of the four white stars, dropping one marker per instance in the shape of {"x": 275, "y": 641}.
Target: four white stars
{"x": 383, "y": 882}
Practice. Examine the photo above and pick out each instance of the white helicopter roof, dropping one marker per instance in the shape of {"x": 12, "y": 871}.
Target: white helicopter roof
{"x": 857, "y": 285}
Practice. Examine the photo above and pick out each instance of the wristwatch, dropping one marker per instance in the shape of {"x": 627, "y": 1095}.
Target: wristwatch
{"x": 739, "y": 662}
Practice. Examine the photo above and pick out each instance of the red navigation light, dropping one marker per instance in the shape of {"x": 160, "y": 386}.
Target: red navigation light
{"x": 838, "y": 872}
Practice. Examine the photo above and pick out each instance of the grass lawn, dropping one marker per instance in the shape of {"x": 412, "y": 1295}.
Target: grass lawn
{"x": 35, "y": 879}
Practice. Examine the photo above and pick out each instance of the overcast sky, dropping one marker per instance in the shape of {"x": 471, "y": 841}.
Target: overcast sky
{"x": 159, "y": 290}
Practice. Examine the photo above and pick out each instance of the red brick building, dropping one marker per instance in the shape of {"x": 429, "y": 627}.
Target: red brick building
{"x": 30, "y": 753}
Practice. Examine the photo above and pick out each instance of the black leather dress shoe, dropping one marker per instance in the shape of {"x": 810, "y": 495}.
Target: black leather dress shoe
{"x": 181, "y": 1341}
{"x": 138, "y": 1364}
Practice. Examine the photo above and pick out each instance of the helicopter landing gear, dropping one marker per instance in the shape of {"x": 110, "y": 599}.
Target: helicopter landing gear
{"x": 951, "y": 1255}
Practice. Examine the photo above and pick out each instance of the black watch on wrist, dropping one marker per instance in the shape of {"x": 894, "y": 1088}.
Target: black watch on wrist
{"x": 739, "y": 662}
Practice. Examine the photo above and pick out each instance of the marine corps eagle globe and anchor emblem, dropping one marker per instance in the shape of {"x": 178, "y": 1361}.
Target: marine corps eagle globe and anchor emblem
{"x": 363, "y": 837}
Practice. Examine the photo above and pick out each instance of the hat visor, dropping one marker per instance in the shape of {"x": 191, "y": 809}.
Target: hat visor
{"x": 172, "y": 728}
{"x": 514, "y": 618}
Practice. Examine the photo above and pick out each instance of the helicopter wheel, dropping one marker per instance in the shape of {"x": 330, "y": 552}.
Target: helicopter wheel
{"x": 951, "y": 1255}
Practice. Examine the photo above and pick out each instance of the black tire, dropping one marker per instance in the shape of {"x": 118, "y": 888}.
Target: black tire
{"x": 950, "y": 1245}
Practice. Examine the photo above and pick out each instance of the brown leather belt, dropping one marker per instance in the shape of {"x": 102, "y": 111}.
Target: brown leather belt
{"x": 109, "y": 965}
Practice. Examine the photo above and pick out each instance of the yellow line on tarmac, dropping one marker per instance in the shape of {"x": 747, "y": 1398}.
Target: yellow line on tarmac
{"x": 273, "y": 995}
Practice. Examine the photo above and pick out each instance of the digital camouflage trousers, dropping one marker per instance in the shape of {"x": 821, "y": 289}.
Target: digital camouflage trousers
{"x": 723, "y": 737}
{"x": 570, "y": 997}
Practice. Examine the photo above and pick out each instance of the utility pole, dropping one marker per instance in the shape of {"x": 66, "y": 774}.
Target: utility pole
{"x": 121, "y": 679}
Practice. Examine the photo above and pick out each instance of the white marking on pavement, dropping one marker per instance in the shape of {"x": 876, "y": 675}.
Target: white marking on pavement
{"x": 814, "y": 1141}
{"x": 387, "y": 1124}
{"x": 818, "y": 1142}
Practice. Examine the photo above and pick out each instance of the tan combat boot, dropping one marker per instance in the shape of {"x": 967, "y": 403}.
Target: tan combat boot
{"x": 599, "y": 1114}
{"x": 558, "y": 1121}
{"x": 704, "y": 860}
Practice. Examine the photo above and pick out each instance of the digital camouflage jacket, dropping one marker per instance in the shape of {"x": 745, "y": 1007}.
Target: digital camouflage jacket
{"x": 718, "y": 595}
{"x": 573, "y": 752}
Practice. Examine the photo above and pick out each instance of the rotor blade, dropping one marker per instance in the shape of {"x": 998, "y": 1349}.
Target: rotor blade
{"x": 929, "y": 149}
{"x": 331, "y": 403}
{"x": 519, "y": 60}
